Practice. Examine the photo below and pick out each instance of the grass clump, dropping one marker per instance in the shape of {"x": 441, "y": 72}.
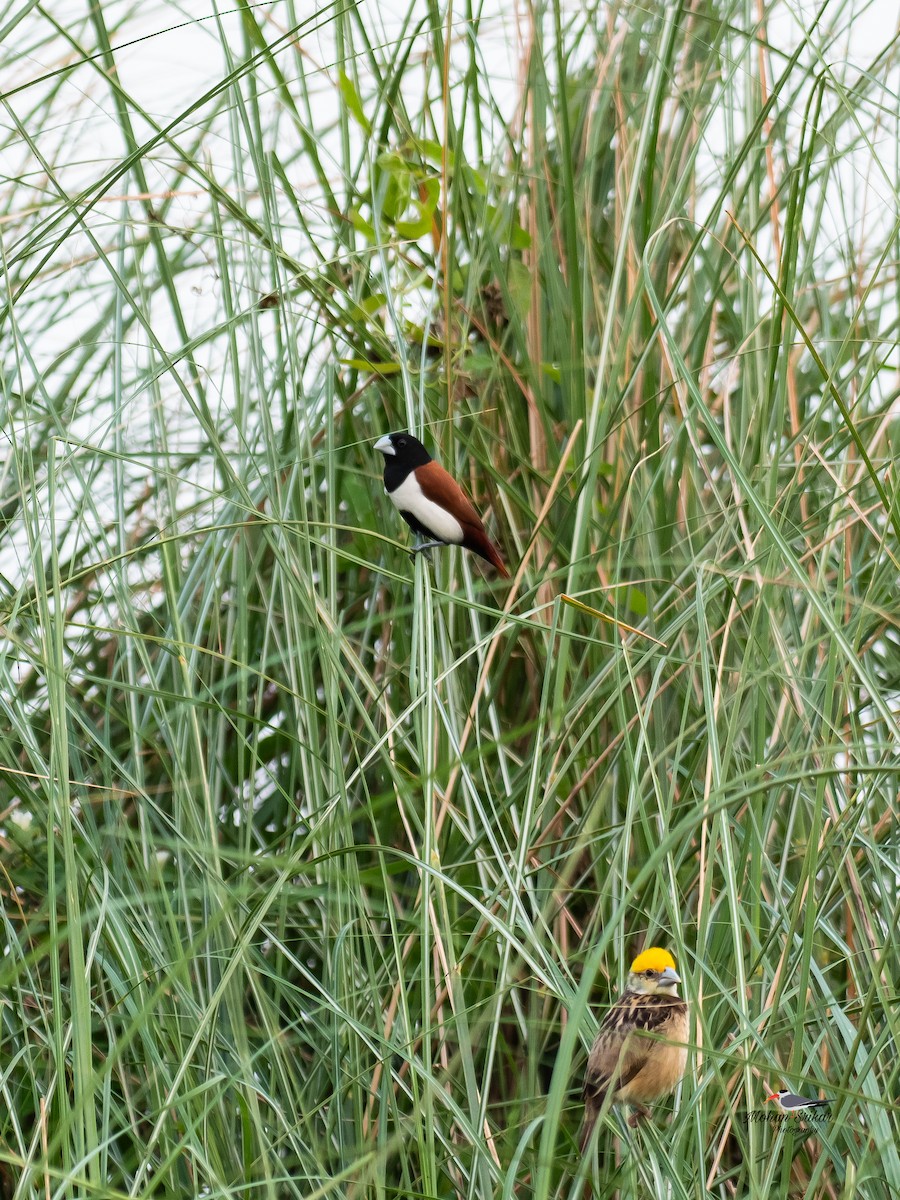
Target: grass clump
{"x": 316, "y": 864}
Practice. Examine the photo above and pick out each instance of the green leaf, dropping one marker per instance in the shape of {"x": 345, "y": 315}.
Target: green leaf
{"x": 392, "y": 161}
{"x": 500, "y": 223}
{"x": 371, "y": 304}
{"x": 425, "y": 208}
{"x": 480, "y": 360}
{"x": 636, "y": 601}
{"x": 365, "y": 364}
{"x": 361, "y": 225}
{"x": 475, "y": 181}
{"x": 351, "y": 99}
{"x": 434, "y": 152}
{"x": 519, "y": 286}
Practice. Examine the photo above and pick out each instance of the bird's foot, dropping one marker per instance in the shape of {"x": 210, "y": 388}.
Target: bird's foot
{"x": 640, "y": 1114}
{"x": 423, "y": 548}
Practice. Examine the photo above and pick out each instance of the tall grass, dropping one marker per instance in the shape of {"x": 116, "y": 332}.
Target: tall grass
{"x": 318, "y": 866}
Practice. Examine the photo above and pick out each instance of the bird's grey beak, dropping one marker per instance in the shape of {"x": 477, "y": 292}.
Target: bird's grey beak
{"x": 669, "y": 976}
{"x": 385, "y": 445}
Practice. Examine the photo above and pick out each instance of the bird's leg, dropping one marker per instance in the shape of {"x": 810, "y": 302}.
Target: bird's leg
{"x": 423, "y": 548}
{"x": 640, "y": 1114}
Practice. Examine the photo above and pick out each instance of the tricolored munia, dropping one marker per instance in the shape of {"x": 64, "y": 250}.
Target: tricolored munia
{"x": 430, "y": 501}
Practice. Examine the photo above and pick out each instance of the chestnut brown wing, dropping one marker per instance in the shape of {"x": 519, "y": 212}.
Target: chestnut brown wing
{"x": 441, "y": 488}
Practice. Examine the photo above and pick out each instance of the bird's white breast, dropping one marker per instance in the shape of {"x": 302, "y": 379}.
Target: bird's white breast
{"x": 410, "y": 498}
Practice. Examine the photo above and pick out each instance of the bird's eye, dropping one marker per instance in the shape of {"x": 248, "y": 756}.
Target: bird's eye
{"x": 649, "y": 974}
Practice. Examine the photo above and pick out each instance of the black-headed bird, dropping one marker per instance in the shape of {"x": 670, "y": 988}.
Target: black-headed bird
{"x": 430, "y": 501}
{"x": 793, "y": 1105}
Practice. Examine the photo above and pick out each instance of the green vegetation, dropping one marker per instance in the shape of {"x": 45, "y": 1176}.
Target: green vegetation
{"x": 318, "y": 865}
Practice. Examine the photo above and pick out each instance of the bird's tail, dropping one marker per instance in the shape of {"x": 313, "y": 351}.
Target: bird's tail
{"x": 492, "y": 554}
{"x": 587, "y": 1126}
{"x": 478, "y": 541}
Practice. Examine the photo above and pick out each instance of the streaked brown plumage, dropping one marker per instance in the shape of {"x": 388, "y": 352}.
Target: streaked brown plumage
{"x": 640, "y": 1051}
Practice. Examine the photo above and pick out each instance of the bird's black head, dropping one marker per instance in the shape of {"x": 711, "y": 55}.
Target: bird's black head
{"x": 407, "y": 450}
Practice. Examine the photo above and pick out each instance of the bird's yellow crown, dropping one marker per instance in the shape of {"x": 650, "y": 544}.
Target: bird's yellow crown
{"x": 653, "y": 959}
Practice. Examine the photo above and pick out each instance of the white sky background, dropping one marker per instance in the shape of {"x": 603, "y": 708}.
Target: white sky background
{"x": 168, "y": 55}
{"x": 175, "y": 54}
